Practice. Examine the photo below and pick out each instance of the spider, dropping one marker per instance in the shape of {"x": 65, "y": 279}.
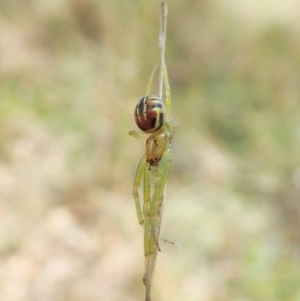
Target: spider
{"x": 152, "y": 116}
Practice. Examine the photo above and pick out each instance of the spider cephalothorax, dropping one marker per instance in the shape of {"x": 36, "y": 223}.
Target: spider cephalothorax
{"x": 155, "y": 147}
{"x": 149, "y": 113}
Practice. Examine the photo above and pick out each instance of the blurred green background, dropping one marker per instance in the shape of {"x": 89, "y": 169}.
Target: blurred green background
{"x": 71, "y": 72}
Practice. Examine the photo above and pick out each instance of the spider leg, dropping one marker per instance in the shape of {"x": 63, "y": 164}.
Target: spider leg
{"x": 138, "y": 135}
{"x": 153, "y": 219}
{"x": 150, "y": 82}
{"x": 167, "y": 89}
{"x": 155, "y": 207}
{"x": 147, "y": 196}
{"x": 137, "y": 182}
{"x": 171, "y": 127}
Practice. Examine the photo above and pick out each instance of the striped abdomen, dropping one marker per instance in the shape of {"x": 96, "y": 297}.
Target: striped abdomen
{"x": 149, "y": 113}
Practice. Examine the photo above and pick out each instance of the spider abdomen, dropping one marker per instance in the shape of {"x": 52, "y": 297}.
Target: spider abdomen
{"x": 149, "y": 113}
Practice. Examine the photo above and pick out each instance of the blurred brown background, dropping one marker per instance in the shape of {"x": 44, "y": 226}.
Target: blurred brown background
{"x": 71, "y": 72}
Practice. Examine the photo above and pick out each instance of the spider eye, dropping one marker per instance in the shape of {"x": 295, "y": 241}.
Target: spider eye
{"x": 149, "y": 113}
{"x": 158, "y": 104}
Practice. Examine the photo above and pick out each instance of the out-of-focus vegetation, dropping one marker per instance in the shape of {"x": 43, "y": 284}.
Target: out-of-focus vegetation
{"x": 70, "y": 75}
